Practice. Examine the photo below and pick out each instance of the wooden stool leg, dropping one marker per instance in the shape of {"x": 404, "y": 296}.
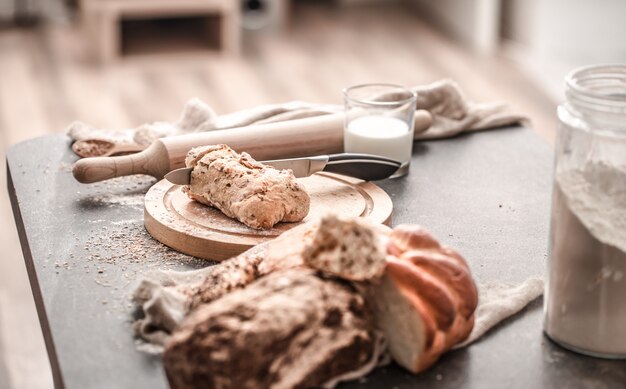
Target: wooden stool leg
{"x": 108, "y": 36}
{"x": 230, "y": 30}
{"x": 284, "y": 10}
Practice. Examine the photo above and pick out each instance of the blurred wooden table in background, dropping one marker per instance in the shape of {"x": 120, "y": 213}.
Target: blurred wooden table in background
{"x": 103, "y": 20}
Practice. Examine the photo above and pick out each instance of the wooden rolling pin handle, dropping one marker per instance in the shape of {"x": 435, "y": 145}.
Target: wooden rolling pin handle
{"x": 149, "y": 161}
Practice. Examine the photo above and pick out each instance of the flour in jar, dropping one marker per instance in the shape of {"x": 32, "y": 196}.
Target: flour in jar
{"x": 586, "y": 302}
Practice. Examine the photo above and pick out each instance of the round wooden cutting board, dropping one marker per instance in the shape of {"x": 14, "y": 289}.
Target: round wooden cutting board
{"x": 204, "y": 232}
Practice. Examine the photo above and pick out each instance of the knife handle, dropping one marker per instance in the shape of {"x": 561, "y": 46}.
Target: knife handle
{"x": 363, "y": 166}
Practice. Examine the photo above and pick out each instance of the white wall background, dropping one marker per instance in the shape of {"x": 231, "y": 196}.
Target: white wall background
{"x": 554, "y": 36}
{"x": 582, "y": 31}
{"x": 548, "y": 37}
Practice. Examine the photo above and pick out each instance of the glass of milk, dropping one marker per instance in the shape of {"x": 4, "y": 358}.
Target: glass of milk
{"x": 379, "y": 120}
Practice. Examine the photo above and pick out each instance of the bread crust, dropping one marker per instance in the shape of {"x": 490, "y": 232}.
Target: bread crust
{"x": 284, "y": 252}
{"x": 257, "y": 195}
{"x": 289, "y": 329}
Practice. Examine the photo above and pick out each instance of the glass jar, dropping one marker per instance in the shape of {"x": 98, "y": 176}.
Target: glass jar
{"x": 585, "y": 299}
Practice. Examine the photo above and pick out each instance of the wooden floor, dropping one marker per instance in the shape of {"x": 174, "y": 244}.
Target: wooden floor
{"x": 48, "y": 79}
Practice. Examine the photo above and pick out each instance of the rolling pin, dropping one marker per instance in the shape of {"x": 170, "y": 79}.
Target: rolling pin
{"x": 289, "y": 139}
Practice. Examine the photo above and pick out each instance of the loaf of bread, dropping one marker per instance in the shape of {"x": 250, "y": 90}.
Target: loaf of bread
{"x": 289, "y": 329}
{"x": 284, "y": 252}
{"x": 257, "y": 195}
{"x": 262, "y": 319}
{"x": 425, "y": 303}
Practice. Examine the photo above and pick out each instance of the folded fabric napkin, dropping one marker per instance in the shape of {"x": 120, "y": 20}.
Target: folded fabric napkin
{"x": 164, "y": 297}
{"x": 498, "y": 301}
{"x": 452, "y": 114}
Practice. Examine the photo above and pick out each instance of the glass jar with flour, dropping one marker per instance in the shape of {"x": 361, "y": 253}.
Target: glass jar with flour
{"x": 585, "y": 302}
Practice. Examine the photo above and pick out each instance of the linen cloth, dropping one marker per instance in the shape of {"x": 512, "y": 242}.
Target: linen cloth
{"x": 163, "y": 298}
{"x": 452, "y": 114}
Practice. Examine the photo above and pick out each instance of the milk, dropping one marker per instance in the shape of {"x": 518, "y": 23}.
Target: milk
{"x": 380, "y": 135}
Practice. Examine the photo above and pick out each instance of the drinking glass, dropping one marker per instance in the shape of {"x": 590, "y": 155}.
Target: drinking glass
{"x": 379, "y": 120}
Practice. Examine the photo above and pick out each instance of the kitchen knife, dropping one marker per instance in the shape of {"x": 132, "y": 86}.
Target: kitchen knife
{"x": 363, "y": 166}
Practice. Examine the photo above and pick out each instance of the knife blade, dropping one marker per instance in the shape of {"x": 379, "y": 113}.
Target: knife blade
{"x": 367, "y": 167}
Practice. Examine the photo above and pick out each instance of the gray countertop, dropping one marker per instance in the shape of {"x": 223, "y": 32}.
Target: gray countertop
{"x": 485, "y": 194}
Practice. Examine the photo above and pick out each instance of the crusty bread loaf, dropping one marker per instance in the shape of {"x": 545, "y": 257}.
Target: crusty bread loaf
{"x": 306, "y": 245}
{"x": 284, "y": 252}
{"x": 257, "y": 195}
{"x": 289, "y": 329}
{"x": 425, "y": 303}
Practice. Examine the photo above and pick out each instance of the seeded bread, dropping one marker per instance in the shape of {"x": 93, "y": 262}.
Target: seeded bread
{"x": 257, "y": 195}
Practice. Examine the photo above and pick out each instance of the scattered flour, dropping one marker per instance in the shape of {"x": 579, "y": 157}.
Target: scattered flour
{"x": 132, "y": 199}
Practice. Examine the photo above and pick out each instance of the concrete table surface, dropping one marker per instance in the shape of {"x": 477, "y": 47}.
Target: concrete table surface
{"x": 485, "y": 194}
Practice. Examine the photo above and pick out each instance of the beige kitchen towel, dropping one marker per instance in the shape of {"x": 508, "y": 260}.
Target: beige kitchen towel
{"x": 164, "y": 297}
{"x": 498, "y": 301}
{"x": 452, "y": 114}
